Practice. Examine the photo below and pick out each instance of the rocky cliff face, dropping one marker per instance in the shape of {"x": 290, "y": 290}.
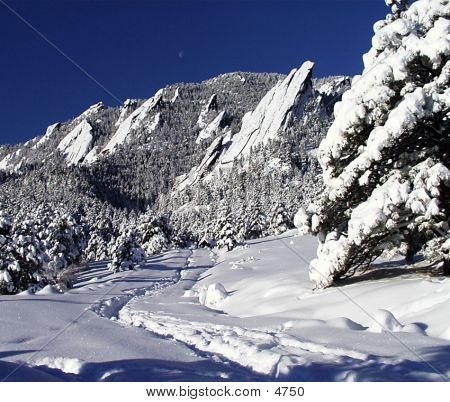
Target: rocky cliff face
{"x": 133, "y": 122}
{"x": 273, "y": 113}
{"x": 77, "y": 144}
{"x": 130, "y": 156}
{"x": 291, "y": 102}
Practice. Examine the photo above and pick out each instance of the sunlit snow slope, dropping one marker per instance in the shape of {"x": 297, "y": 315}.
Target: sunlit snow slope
{"x": 244, "y": 315}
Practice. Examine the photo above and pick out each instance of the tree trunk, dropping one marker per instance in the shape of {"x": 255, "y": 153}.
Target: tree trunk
{"x": 409, "y": 257}
{"x": 447, "y": 267}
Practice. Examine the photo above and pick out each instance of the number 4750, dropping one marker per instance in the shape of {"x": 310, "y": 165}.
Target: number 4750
{"x": 291, "y": 391}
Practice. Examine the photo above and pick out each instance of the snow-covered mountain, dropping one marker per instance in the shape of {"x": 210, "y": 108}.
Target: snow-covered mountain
{"x": 77, "y": 144}
{"x": 273, "y": 113}
{"x": 134, "y": 121}
{"x": 114, "y": 128}
{"x": 131, "y": 156}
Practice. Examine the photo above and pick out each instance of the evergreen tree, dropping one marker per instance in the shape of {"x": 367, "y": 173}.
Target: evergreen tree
{"x": 66, "y": 241}
{"x": 206, "y": 240}
{"x": 126, "y": 252}
{"x": 280, "y": 221}
{"x": 154, "y": 233}
{"x": 241, "y": 221}
{"x": 257, "y": 224}
{"x": 97, "y": 246}
{"x": 226, "y": 232}
{"x": 100, "y": 234}
{"x": 386, "y": 157}
{"x": 21, "y": 259}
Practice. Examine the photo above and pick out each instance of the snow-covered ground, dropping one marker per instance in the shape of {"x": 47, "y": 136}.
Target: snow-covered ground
{"x": 249, "y": 314}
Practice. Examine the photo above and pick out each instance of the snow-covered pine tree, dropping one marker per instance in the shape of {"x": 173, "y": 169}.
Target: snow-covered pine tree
{"x": 100, "y": 235}
{"x": 386, "y": 156}
{"x": 154, "y": 233}
{"x": 126, "y": 252}
{"x": 6, "y": 260}
{"x": 257, "y": 223}
{"x": 205, "y": 241}
{"x": 5, "y": 223}
{"x": 279, "y": 220}
{"x": 21, "y": 257}
{"x": 97, "y": 246}
{"x": 207, "y": 238}
{"x": 66, "y": 239}
{"x": 241, "y": 222}
{"x": 226, "y": 232}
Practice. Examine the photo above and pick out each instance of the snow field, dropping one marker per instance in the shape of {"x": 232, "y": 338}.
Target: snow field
{"x": 246, "y": 314}
{"x": 262, "y": 314}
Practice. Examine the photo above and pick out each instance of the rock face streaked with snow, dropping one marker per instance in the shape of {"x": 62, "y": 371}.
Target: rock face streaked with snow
{"x": 47, "y": 135}
{"x": 293, "y": 102}
{"x": 5, "y": 163}
{"x": 132, "y": 122}
{"x": 209, "y": 106}
{"x": 211, "y": 129}
{"x": 199, "y": 172}
{"x": 175, "y": 96}
{"x": 128, "y": 107}
{"x": 92, "y": 111}
{"x": 77, "y": 144}
{"x": 136, "y": 154}
{"x": 272, "y": 114}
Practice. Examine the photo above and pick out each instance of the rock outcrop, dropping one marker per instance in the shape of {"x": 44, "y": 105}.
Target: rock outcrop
{"x": 272, "y": 114}
{"x": 77, "y": 144}
{"x": 132, "y": 122}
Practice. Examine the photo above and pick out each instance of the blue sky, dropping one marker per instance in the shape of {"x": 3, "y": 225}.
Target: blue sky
{"x": 133, "y": 48}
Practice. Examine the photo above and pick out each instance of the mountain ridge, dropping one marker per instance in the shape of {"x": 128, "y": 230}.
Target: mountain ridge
{"x": 135, "y": 156}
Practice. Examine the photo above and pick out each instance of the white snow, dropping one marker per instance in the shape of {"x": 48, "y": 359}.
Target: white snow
{"x": 128, "y": 106}
{"x": 27, "y": 292}
{"x": 255, "y": 307}
{"x": 329, "y": 88}
{"x": 13, "y": 161}
{"x": 47, "y": 290}
{"x": 65, "y": 364}
{"x": 5, "y": 162}
{"x": 47, "y": 135}
{"x": 203, "y": 116}
{"x": 276, "y": 325}
{"x": 211, "y": 129}
{"x": 175, "y": 96}
{"x": 132, "y": 122}
{"x": 76, "y": 145}
{"x": 212, "y": 295}
{"x": 91, "y": 156}
{"x": 384, "y": 320}
{"x": 272, "y": 114}
{"x": 92, "y": 110}
{"x": 154, "y": 123}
